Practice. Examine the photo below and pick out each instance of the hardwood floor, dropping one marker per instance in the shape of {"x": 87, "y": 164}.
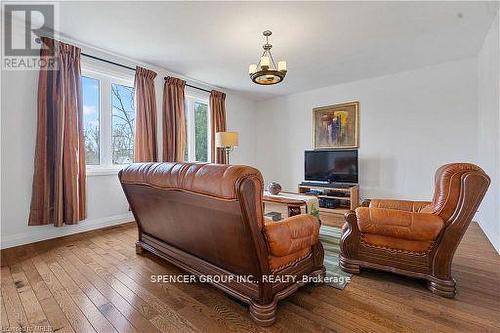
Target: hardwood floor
{"x": 94, "y": 282}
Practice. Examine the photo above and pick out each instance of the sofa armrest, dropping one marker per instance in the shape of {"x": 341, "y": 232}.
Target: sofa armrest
{"x": 399, "y": 224}
{"x": 403, "y": 205}
{"x": 292, "y": 234}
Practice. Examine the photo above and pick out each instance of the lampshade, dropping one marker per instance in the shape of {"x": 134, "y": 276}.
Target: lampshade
{"x": 226, "y": 139}
{"x": 252, "y": 68}
{"x": 264, "y": 62}
{"x": 282, "y": 65}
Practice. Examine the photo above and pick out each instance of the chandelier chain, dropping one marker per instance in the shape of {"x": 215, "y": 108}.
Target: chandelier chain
{"x": 272, "y": 59}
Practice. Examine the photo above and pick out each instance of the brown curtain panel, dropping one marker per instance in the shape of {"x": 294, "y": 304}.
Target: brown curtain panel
{"x": 145, "y": 121}
{"x": 174, "y": 122}
{"x": 218, "y": 116}
{"x": 58, "y": 195}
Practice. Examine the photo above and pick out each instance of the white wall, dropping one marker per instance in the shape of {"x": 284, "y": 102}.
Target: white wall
{"x": 241, "y": 118}
{"x": 488, "y": 131}
{"x": 106, "y": 202}
{"x": 410, "y": 124}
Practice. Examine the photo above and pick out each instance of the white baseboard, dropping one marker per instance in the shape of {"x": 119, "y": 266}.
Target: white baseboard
{"x": 39, "y": 233}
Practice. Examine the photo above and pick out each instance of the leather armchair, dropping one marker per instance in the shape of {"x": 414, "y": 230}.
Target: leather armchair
{"x": 416, "y": 238}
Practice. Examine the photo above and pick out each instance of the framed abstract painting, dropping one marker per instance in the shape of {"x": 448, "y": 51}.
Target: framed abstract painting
{"x": 336, "y": 126}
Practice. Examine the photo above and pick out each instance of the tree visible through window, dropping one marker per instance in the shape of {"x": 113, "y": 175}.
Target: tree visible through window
{"x": 123, "y": 122}
{"x": 201, "y": 131}
{"x": 108, "y": 119}
{"x": 197, "y": 130}
{"x": 91, "y": 119}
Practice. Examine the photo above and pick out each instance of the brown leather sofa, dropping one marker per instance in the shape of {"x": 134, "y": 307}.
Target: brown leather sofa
{"x": 416, "y": 238}
{"x": 208, "y": 220}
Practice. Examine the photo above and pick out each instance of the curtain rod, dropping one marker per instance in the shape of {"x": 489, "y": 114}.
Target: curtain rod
{"x": 208, "y": 91}
{"x": 131, "y": 68}
{"x": 188, "y": 85}
{"x": 107, "y": 61}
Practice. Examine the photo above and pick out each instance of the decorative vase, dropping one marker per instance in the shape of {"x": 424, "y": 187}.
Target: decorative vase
{"x": 274, "y": 188}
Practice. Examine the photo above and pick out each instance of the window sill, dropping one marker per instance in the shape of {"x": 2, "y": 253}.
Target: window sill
{"x": 104, "y": 171}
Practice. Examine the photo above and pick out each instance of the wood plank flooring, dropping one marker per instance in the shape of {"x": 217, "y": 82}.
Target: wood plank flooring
{"x": 94, "y": 282}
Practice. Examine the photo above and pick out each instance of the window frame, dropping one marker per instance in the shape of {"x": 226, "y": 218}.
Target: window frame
{"x": 106, "y": 77}
{"x": 190, "y": 99}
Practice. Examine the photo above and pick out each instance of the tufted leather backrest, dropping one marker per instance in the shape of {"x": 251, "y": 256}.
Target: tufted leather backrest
{"x": 211, "y": 211}
{"x": 218, "y": 180}
{"x": 448, "y": 188}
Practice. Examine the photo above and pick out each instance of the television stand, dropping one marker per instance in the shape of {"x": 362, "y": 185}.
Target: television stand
{"x": 335, "y": 200}
{"x": 325, "y": 184}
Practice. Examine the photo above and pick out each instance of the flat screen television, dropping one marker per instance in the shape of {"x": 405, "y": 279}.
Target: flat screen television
{"x": 333, "y": 166}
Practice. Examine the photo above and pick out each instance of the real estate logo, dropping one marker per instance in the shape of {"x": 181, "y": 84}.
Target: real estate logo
{"x": 23, "y": 26}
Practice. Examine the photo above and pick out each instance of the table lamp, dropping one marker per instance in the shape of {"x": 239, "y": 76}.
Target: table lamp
{"x": 226, "y": 140}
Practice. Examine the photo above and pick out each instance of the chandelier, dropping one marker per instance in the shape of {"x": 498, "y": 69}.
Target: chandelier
{"x": 266, "y": 72}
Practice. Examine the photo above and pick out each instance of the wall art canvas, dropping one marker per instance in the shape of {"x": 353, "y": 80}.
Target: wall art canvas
{"x": 336, "y": 126}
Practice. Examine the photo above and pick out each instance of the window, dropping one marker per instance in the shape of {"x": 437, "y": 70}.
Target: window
{"x": 109, "y": 119}
{"x": 198, "y": 129}
{"x": 91, "y": 115}
{"x": 201, "y": 131}
{"x": 122, "y": 124}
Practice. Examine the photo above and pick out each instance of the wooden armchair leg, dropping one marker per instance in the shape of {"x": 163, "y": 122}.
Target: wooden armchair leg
{"x": 348, "y": 266}
{"x": 442, "y": 287}
{"x": 349, "y": 243}
{"x": 138, "y": 248}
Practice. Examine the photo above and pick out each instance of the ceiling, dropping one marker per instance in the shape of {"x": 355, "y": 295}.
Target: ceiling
{"x": 324, "y": 43}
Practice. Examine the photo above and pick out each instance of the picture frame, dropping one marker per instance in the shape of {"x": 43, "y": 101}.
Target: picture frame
{"x": 336, "y": 126}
